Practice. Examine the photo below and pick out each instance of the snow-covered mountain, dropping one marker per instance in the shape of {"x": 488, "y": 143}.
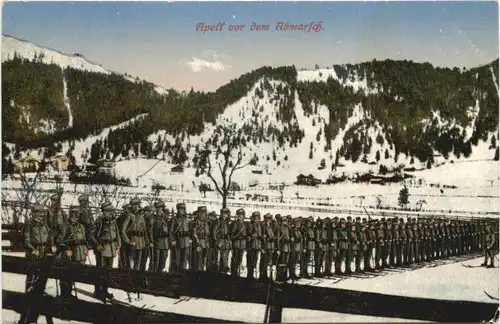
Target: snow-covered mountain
{"x": 12, "y": 46}
{"x": 341, "y": 119}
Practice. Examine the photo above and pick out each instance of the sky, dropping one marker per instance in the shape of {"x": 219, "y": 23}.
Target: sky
{"x": 158, "y": 41}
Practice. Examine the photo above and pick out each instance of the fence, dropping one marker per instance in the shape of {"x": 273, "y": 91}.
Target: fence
{"x": 235, "y": 289}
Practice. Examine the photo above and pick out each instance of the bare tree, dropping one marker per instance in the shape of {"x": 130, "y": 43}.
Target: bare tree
{"x": 17, "y": 209}
{"x": 98, "y": 194}
{"x": 226, "y": 139}
{"x": 420, "y": 203}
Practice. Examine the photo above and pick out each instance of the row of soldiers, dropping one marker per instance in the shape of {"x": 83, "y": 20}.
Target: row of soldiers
{"x": 207, "y": 242}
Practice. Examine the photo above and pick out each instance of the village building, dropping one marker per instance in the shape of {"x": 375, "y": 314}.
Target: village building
{"x": 27, "y": 164}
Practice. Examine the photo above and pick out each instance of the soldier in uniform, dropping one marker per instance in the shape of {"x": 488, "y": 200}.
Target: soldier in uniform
{"x": 321, "y": 236}
{"x": 147, "y": 213}
{"x": 107, "y": 239}
{"x": 72, "y": 240}
{"x": 401, "y": 250}
{"x": 417, "y": 234}
{"x": 343, "y": 246}
{"x": 353, "y": 242}
{"x": 410, "y": 244}
{"x": 387, "y": 243}
{"x": 254, "y": 239}
{"x": 56, "y": 217}
{"x": 393, "y": 234}
{"x": 267, "y": 246}
{"x": 275, "y": 225}
{"x": 284, "y": 249}
{"x": 475, "y": 236}
{"x": 220, "y": 236}
{"x": 135, "y": 234}
{"x": 124, "y": 253}
{"x": 37, "y": 240}
{"x": 489, "y": 248}
{"x": 238, "y": 236}
{"x": 333, "y": 238}
{"x": 160, "y": 232}
{"x": 295, "y": 248}
{"x": 200, "y": 236}
{"x": 363, "y": 247}
{"x": 370, "y": 245}
{"x": 309, "y": 240}
{"x": 179, "y": 238}
{"x": 379, "y": 245}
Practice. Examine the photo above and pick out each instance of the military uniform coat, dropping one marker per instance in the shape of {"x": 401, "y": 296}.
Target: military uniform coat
{"x": 269, "y": 237}
{"x": 160, "y": 232}
{"x": 254, "y": 235}
{"x": 73, "y": 238}
{"x": 309, "y": 239}
{"x": 106, "y": 233}
{"x": 200, "y": 233}
{"x": 284, "y": 238}
{"x": 36, "y": 237}
{"x": 322, "y": 239}
{"x": 297, "y": 240}
{"x": 221, "y": 234}
{"x": 134, "y": 230}
{"x": 238, "y": 235}
{"x": 179, "y": 232}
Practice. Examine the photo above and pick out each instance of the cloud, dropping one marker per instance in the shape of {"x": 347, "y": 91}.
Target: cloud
{"x": 213, "y": 62}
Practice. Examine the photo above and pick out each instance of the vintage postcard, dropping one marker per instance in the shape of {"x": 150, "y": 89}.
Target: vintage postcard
{"x": 263, "y": 162}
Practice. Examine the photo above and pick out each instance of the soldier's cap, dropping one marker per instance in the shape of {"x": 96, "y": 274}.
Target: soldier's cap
{"x": 297, "y": 220}
{"x": 342, "y": 220}
{"x": 240, "y": 211}
{"x": 159, "y": 204}
{"x": 55, "y": 196}
{"x": 268, "y": 216}
{"x": 349, "y": 218}
{"x": 363, "y": 220}
{"x": 289, "y": 217}
{"x": 277, "y": 217}
{"x": 310, "y": 219}
{"x": 83, "y": 198}
{"x": 358, "y": 219}
{"x": 256, "y": 214}
{"x": 181, "y": 206}
{"x": 203, "y": 209}
{"x": 107, "y": 206}
{"x": 37, "y": 208}
{"x": 383, "y": 219}
{"x": 401, "y": 220}
{"x": 212, "y": 215}
{"x": 135, "y": 201}
{"x": 74, "y": 208}
{"x": 147, "y": 208}
{"x": 336, "y": 218}
{"x": 224, "y": 211}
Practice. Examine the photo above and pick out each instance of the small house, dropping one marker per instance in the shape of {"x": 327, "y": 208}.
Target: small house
{"x": 27, "y": 164}
{"x": 60, "y": 162}
{"x": 178, "y": 169}
{"x": 105, "y": 166}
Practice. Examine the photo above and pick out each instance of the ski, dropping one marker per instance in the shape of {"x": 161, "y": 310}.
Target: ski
{"x": 316, "y": 283}
{"x": 107, "y": 300}
{"x": 182, "y": 299}
{"x": 145, "y": 306}
{"x": 471, "y": 266}
{"x": 490, "y": 296}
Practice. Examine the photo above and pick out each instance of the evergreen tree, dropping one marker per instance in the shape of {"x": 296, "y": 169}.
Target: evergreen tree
{"x": 496, "y": 154}
{"x": 403, "y": 199}
{"x": 386, "y": 155}
{"x": 377, "y": 156}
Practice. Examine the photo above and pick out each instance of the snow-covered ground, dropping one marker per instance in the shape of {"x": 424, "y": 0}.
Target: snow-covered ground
{"x": 450, "y": 282}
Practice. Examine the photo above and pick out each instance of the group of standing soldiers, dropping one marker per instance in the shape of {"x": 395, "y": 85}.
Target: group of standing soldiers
{"x": 207, "y": 242}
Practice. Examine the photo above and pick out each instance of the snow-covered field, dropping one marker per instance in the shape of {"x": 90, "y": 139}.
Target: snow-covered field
{"x": 450, "y": 282}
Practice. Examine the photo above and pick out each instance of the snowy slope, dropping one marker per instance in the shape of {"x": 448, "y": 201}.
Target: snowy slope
{"x": 12, "y": 45}
{"x": 443, "y": 282}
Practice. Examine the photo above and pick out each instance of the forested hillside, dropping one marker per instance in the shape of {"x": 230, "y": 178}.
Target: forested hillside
{"x": 368, "y": 112}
